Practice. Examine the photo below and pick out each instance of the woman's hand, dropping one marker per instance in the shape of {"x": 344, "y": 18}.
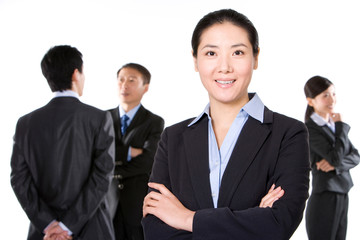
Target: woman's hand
{"x": 168, "y": 208}
{"x": 336, "y": 117}
{"x": 272, "y": 196}
{"x": 324, "y": 166}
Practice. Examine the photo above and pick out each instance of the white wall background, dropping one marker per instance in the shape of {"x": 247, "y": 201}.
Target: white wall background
{"x": 298, "y": 39}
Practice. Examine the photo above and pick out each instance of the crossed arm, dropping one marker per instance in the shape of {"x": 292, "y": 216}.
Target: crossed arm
{"x": 165, "y": 206}
{"x": 338, "y": 156}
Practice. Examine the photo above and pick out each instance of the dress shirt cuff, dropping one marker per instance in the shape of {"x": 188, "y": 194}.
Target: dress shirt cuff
{"x": 65, "y": 228}
{"x": 129, "y": 155}
{"x": 48, "y": 226}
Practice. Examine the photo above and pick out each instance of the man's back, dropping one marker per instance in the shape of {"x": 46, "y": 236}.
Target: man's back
{"x": 61, "y": 166}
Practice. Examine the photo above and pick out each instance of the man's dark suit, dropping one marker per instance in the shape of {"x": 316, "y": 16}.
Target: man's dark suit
{"x": 62, "y": 161}
{"x": 275, "y": 151}
{"x": 131, "y": 177}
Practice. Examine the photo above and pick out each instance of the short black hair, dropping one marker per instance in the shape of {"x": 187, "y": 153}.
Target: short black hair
{"x": 58, "y": 66}
{"x": 143, "y": 71}
{"x": 221, "y": 16}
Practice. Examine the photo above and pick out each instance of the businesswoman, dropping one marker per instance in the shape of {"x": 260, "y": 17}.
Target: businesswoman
{"x": 211, "y": 173}
{"x": 332, "y": 156}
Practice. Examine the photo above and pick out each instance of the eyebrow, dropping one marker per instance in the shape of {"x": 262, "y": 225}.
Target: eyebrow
{"x": 128, "y": 76}
{"x": 233, "y": 46}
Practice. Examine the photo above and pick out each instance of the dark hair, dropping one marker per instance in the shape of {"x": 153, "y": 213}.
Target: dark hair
{"x": 58, "y": 66}
{"x": 143, "y": 71}
{"x": 313, "y": 87}
{"x": 221, "y": 16}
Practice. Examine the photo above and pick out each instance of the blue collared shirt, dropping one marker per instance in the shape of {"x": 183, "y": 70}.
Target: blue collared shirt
{"x": 219, "y": 158}
{"x": 131, "y": 115}
{"x": 322, "y": 122}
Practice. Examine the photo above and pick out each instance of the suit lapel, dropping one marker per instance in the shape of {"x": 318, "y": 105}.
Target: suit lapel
{"x": 197, "y": 155}
{"x": 328, "y": 133}
{"x": 117, "y": 125}
{"x": 248, "y": 144}
{"x": 137, "y": 120}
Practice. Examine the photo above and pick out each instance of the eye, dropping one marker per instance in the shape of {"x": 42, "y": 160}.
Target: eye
{"x": 238, "y": 53}
{"x": 210, "y": 53}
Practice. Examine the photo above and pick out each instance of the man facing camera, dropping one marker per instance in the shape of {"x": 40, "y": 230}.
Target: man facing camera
{"x": 63, "y": 157}
{"x": 137, "y": 133}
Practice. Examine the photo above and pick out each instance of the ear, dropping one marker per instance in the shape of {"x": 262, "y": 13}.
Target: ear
{"x": 310, "y": 101}
{"x": 256, "y": 59}
{"x": 195, "y": 62}
{"x": 146, "y": 88}
{"x": 75, "y": 76}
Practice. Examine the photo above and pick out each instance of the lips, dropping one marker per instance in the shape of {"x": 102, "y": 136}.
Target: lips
{"x": 225, "y": 81}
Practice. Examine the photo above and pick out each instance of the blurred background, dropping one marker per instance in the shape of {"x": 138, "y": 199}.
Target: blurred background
{"x": 298, "y": 39}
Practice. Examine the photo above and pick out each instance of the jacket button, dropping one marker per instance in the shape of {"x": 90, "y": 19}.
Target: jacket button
{"x": 121, "y": 186}
{"x": 118, "y": 176}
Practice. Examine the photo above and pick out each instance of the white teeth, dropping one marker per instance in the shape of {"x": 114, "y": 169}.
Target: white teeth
{"x": 224, "y": 82}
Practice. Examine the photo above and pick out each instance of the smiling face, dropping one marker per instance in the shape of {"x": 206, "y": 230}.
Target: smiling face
{"x": 324, "y": 103}
{"x": 225, "y": 62}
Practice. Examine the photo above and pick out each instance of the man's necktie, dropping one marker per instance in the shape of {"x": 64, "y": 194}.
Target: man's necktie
{"x": 124, "y": 124}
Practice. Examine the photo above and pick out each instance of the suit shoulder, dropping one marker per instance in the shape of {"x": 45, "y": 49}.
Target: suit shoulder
{"x": 283, "y": 119}
{"x": 288, "y": 124}
{"x": 154, "y": 116}
{"x": 91, "y": 108}
{"x": 180, "y": 126}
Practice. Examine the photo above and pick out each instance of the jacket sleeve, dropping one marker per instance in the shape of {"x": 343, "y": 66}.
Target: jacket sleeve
{"x": 154, "y": 228}
{"x": 341, "y": 154}
{"x": 350, "y": 160}
{"x": 97, "y": 185}
{"x": 142, "y": 164}
{"x": 37, "y": 210}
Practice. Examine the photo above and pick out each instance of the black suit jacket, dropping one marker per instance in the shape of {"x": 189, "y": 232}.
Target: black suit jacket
{"x": 275, "y": 151}
{"x": 63, "y": 157}
{"x": 337, "y": 149}
{"x": 132, "y": 176}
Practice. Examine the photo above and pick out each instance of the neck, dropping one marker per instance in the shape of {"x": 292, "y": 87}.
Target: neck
{"x": 225, "y": 112}
{"x": 325, "y": 116}
{"x": 222, "y": 116}
{"x": 74, "y": 88}
{"x": 128, "y": 107}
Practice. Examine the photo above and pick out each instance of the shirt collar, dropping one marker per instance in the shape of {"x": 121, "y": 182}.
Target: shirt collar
{"x": 320, "y": 121}
{"x": 66, "y": 93}
{"x": 255, "y": 108}
{"x": 130, "y": 113}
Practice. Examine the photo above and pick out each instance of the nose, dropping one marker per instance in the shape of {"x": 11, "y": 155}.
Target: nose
{"x": 123, "y": 84}
{"x": 333, "y": 99}
{"x": 225, "y": 65}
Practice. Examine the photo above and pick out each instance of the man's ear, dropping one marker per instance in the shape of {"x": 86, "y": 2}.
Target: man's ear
{"x": 76, "y": 75}
{"x": 146, "y": 88}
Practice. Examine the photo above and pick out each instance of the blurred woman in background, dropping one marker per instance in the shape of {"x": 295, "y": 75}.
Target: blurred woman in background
{"x": 332, "y": 156}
